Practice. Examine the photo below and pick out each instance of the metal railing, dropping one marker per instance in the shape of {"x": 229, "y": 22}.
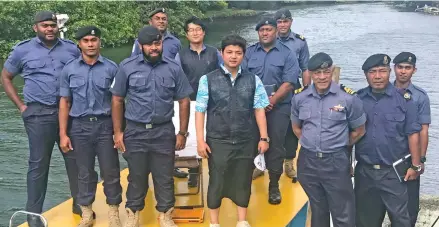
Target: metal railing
{"x": 42, "y": 218}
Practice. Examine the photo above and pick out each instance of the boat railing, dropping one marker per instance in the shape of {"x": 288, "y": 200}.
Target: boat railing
{"x": 43, "y": 219}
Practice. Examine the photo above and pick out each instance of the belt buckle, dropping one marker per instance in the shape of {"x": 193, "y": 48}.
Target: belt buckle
{"x": 319, "y": 154}
{"x": 377, "y": 166}
{"x": 148, "y": 126}
{"x": 93, "y": 119}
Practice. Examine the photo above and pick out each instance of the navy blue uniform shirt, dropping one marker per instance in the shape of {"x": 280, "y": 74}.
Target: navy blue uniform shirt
{"x": 422, "y": 102}
{"x": 277, "y": 66}
{"x": 171, "y": 46}
{"x": 390, "y": 120}
{"x": 299, "y": 46}
{"x": 40, "y": 68}
{"x": 150, "y": 89}
{"x": 88, "y": 86}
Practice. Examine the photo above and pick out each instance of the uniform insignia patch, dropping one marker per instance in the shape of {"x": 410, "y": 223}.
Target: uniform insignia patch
{"x": 324, "y": 65}
{"x": 300, "y": 37}
{"x": 92, "y": 32}
{"x": 297, "y": 91}
{"x": 347, "y": 90}
{"x": 338, "y": 108}
{"x": 407, "y": 95}
{"x": 386, "y": 60}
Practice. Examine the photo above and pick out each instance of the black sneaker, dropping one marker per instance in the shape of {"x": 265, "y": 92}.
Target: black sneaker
{"x": 34, "y": 221}
{"x": 274, "y": 196}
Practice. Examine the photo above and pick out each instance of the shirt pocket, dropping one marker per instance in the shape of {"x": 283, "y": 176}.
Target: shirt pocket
{"x": 77, "y": 85}
{"x": 255, "y": 66}
{"x": 394, "y": 123}
{"x": 276, "y": 68}
{"x": 137, "y": 83}
{"x": 304, "y": 114}
{"x": 167, "y": 88}
{"x": 337, "y": 116}
{"x": 103, "y": 82}
{"x": 35, "y": 65}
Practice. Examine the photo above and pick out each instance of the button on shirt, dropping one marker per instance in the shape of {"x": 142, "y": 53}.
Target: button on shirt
{"x": 299, "y": 47}
{"x": 390, "y": 120}
{"x": 326, "y": 119}
{"x": 150, "y": 89}
{"x": 277, "y": 66}
{"x": 171, "y": 46}
{"x": 260, "y": 97}
{"x": 40, "y": 68}
{"x": 422, "y": 102}
{"x": 88, "y": 86}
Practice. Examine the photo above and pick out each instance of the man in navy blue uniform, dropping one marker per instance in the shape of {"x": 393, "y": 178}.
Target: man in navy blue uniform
{"x": 150, "y": 82}
{"x": 392, "y": 132}
{"x": 39, "y": 61}
{"x": 405, "y": 67}
{"x": 279, "y": 70}
{"x": 86, "y": 99}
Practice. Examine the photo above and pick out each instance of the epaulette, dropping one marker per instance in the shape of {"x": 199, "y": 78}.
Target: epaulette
{"x": 300, "y": 37}
{"x": 347, "y": 90}
{"x": 420, "y": 89}
{"x": 70, "y": 60}
{"x": 69, "y": 41}
{"x": 20, "y": 43}
{"x": 297, "y": 91}
{"x": 111, "y": 62}
{"x": 130, "y": 59}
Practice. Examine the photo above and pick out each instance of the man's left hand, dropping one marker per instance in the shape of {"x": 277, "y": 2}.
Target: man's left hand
{"x": 411, "y": 175}
{"x": 271, "y": 105}
{"x": 181, "y": 142}
{"x": 263, "y": 146}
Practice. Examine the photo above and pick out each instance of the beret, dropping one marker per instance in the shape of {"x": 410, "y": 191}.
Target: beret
{"x": 282, "y": 14}
{"x": 87, "y": 30}
{"x": 44, "y": 16}
{"x": 376, "y": 60}
{"x": 405, "y": 57}
{"x": 158, "y": 10}
{"x": 148, "y": 34}
{"x": 266, "y": 21}
{"x": 319, "y": 61}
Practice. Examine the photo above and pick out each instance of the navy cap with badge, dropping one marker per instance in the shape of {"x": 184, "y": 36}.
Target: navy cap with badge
{"x": 319, "y": 61}
{"x": 266, "y": 21}
{"x": 44, "y": 16}
{"x": 149, "y": 34}
{"x": 405, "y": 57}
{"x": 282, "y": 14}
{"x": 375, "y": 61}
{"x": 87, "y": 30}
{"x": 158, "y": 10}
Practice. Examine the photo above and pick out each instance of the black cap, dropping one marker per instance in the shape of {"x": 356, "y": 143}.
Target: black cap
{"x": 319, "y": 61}
{"x": 376, "y": 60}
{"x": 405, "y": 57}
{"x": 149, "y": 34}
{"x": 45, "y": 16}
{"x": 265, "y": 21}
{"x": 158, "y": 10}
{"x": 282, "y": 14}
{"x": 87, "y": 30}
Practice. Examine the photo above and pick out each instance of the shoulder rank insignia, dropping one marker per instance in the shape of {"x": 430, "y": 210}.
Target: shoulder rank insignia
{"x": 297, "y": 91}
{"x": 407, "y": 95}
{"x": 300, "y": 37}
{"x": 347, "y": 90}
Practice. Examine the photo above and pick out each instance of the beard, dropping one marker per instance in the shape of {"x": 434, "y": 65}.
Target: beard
{"x": 42, "y": 37}
{"x": 152, "y": 59}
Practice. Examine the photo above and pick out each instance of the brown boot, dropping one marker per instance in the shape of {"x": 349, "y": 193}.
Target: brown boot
{"x": 166, "y": 219}
{"x": 257, "y": 173}
{"x": 87, "y": 216}
{"x": 290, "y": 171}
{"x": 113, "y": 216}
{"x": 132, "y": 218}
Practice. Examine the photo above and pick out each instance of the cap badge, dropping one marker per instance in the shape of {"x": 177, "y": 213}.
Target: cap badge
{"x": 324, "y": 65}
{"x": 386, "y": 60}
{"x": 53, "y": 17}
{"x": 409, "y": 59}
{"x": 283, "y": 15}
{"x": 163, "y": 10}
{"x": 92, "y": 32}
{"x": 407, "y": 95}
{"x": 266, "y": 22}
{"x": 158, "y": 36}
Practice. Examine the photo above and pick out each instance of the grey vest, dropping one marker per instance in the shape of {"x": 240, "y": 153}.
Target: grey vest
{"x": 230, "y": 113}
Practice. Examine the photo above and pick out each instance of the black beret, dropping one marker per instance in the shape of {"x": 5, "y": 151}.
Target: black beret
{"x": 87, "y": 30}
{"x": 282, "y": 14}
{"x": 158, "y": 10}
{"x": 265, "y": 21}
{"x": 405, "y": 57}
{"x": 148, "y": 34}
{"x": 319, "y": 61}
{"x": 45, "y": 16}
{"x": 376, "y": 60}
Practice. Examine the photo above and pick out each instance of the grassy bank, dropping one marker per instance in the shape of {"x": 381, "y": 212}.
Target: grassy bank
{"x": 230, "y": 13}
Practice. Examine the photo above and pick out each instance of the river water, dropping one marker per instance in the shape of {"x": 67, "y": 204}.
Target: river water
{"x": 349, "y": 33}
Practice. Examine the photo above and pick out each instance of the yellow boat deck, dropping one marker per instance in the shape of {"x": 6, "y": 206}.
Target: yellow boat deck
{"x": 260, "y": 212}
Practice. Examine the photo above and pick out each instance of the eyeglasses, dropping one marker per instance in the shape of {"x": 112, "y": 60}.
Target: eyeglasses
{"x": 192, "y": 30}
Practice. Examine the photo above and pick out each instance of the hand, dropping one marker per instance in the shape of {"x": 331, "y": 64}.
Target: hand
{"x": 22, "y": 108}
{"x": 65, "y": 144}
{"x": 181, "y": 142}
{"x": 118, "y": 141}
{"x": 202, "y": 149}
{"x": 411, "y": 175}
{"x": 263, "y": 147}
{"x": 423, "y": 168}
{"x": 271, "y": 105}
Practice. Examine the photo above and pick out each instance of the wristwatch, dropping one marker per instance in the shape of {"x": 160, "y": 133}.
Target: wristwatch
{"x": 416, "y": 168}
{"x": 265, "y": 139}
{"x": 185, "y": 134}
{"x": 423, "y": 159}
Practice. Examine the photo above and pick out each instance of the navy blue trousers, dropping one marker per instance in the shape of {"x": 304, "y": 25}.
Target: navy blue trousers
{"x": 150, "y": 150}
{"x": 93, "y": 137}
{"x": 327, "y": 182}
{"x": 413, "y": 190}
{"x": 378, "y": 191}
{"x": 291, "y": 143}
{"x": 42, "y": 128}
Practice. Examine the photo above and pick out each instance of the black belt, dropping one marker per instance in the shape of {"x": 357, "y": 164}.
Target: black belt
{"x": 319, "y": 154}
{"x": 41, "y": 104}
{"x": 93, "y": 117}
{"x": 376, "y": 166}
{"x": 148, "y": 125}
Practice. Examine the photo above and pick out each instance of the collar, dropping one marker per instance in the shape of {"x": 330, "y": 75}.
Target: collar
{"x": 277, "y": 45}
{"x": 100, "y": 59}
{"x": 141, "y": 58}
{"x": 289, "y": 35}
{"x": 389, "y": 90}
{"x": 202, "y": 49}
{"x": 168, "y": 35}
{"x": 410, "y": 88}
{"x": 38, "y": 40}
{"x": 333, "y": 88}
{"x": 226, "y": 72}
